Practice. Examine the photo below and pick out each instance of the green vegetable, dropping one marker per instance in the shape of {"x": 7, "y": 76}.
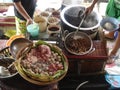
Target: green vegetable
{"x": 10, "y": 33}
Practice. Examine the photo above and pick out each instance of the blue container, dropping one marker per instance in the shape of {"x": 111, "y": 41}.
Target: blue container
{"x": 33, "y": 29}
{"x": 111, "y": 20}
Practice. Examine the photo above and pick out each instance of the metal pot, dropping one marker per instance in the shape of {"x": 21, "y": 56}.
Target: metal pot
{"x": 66, "y": 3}
{"x": 80, "y": 46}
{"x": 70, "y": 20}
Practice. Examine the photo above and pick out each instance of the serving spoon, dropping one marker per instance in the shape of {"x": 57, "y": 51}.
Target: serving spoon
{"x": 75, "y": 36}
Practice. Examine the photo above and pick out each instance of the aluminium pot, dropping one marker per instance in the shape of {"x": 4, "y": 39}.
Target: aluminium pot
{"x": 80, "y": 46}
{"x": 70, "y": 19}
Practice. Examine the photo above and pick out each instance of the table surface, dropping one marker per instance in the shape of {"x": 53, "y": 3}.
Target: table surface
{"x": 18, "y": 83}
{"x": 99, "y": 52}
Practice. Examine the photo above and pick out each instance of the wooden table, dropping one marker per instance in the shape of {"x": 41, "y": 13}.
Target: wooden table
{"x": 91, "y": 63}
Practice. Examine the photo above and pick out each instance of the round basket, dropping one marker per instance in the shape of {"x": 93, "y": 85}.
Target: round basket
{"x": 38, "y": 78}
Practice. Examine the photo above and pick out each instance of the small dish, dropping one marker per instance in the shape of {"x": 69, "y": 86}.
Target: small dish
{"x": 53, "y": 29}
{"x": 53, "y": 20}
{"x": 110, "y": 24}
{"x": 45, "y": 14}
{"x": 56, "y": 14}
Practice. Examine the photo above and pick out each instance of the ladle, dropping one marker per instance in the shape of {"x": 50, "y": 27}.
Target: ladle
{"x": 75, "y": 34}
{"x": 18, "y": 45}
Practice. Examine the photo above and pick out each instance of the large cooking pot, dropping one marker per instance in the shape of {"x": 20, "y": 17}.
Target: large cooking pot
{"x": 70, "y": 19}
{"x": 78, "y": 43}
{"x": 70, "y": 2}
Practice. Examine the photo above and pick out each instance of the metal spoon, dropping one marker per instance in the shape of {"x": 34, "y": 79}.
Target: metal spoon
{"x": 75, "y": 34}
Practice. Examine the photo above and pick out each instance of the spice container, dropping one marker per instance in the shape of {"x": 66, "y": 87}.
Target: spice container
{"x": 42, "y": 22}
{"x": 53, "y": 29}
{"x": 33, "y": 29}
{"x": 53, "y": 20}
{"x": 45, "y": 14}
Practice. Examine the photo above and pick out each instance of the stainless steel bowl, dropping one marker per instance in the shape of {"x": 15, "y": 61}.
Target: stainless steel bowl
{"x": 7, "y": 68}
{"x": 80, "y": 46}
